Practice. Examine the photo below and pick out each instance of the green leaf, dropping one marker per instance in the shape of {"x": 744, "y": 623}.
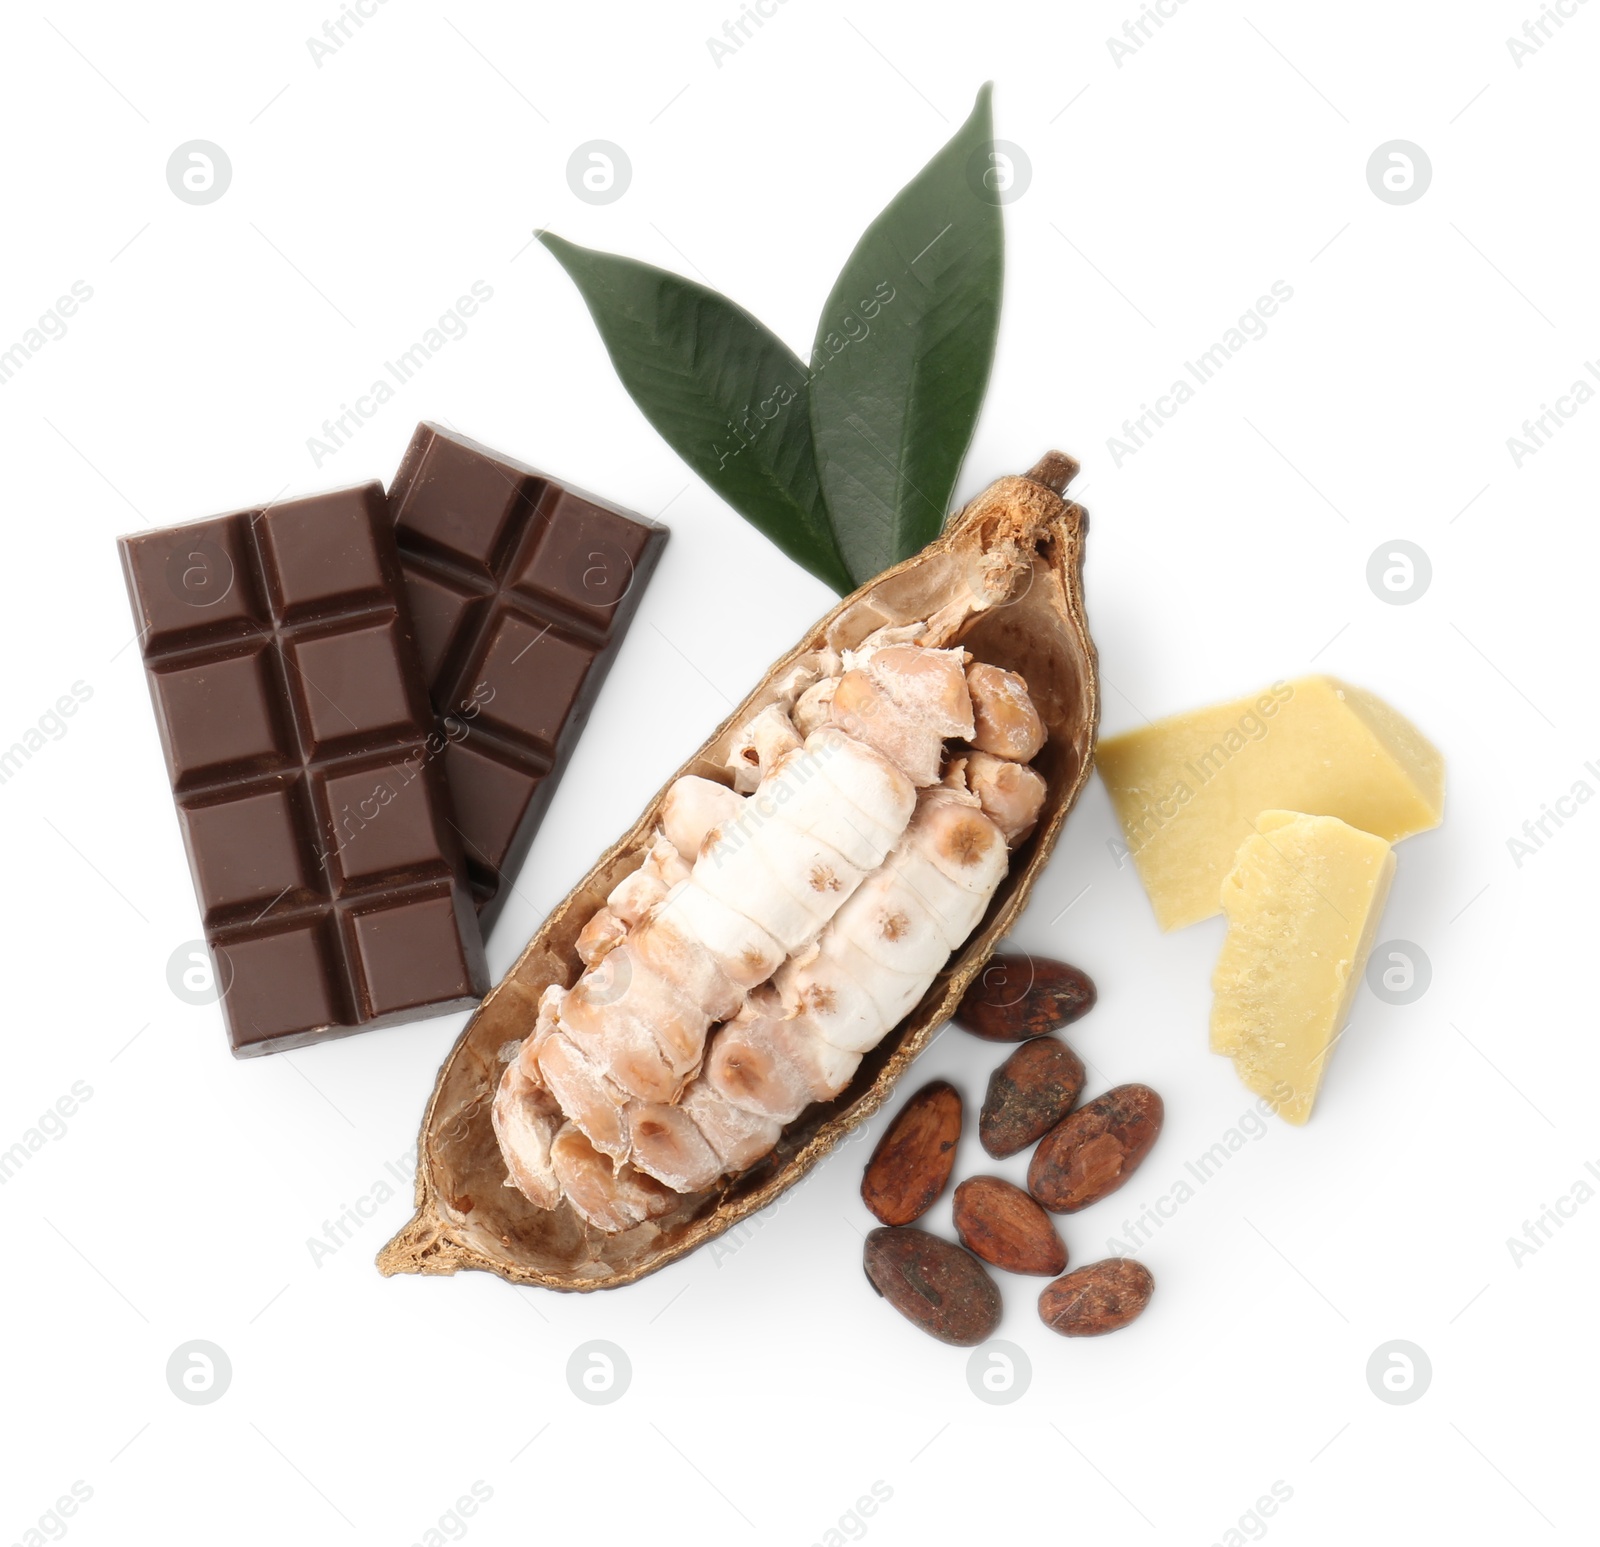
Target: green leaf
{"x": 723, "y": 391}
{"x": 903, "y": 351}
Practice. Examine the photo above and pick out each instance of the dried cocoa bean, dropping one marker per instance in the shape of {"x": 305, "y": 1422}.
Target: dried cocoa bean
{"x": 1093, "y": 1151}
{"x": 1099, "y": 1298}
{"x": 934, "y": 1284}
{"x": 915, "y": 1156}
{"x": 1028, "y": 1095}
{"x": 1003, "y": 1225}
{"x": 1017, "y": 997}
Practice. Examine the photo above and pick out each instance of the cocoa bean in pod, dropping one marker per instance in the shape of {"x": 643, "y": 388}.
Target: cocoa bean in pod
{"x": 934, "y": 1284}
{"x": 1099, "y": 1298}
{"x": 1021, "y": 996}
{"x": 1003, "y": 1225}
{"x": 1028, "y": 1095}
{"x": 1093, "y": 1151}
{"x": 915, "y": 1156}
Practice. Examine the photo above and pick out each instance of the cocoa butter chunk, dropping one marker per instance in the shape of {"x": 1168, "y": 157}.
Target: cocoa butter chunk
{"x": 1100, "y": 1298}
{"x": 1028, "y": 1095}
{"x": 1022, "y": 996}
{"x": 915, "y": 1156}
{"x": 934, "y": 1285}
{"x": 1303, "y": 902}
{"x": 1003, "y": 1225}
{"x": 1188, "y": 788}
{"x": 1090, "y": 1153}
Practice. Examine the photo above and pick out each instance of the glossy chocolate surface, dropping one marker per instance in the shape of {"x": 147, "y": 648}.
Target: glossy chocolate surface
{"x": 521, "y": 591}
{"x": 307, "y": 769}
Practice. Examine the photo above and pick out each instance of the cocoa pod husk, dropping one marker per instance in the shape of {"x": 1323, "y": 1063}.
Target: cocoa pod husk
{"x": 1099, "y": 1298}
{"x": 1008, "y": 569}
{"x": 1000, "y": 1223}
{"x": 1028, "y": 1095}
{"x": 1090, "y": 1153}
{"x": 934, "y": 1284}
{"x": 913, "y": 1160}
{"x": 1017, "y": 997}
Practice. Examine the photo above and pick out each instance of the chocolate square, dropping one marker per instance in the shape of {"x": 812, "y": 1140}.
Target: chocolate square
{"x": 463, "y": 501}
{"x": 534, "y": 678}
{"x": 249, "y": 852}
{"x": 397, "y": 967}
{"x": 586, "y": 558}
{"x": 383, "y": 823}
{"x": 193, "y": 583}
{"x": 351, "y": 688}
{"x": 492, "y": 798}
{"x": 438, "y": 612}
{"x": 218, "y": 717}
{"x": 282, "y": 988}
{"x": 323, "y": 551}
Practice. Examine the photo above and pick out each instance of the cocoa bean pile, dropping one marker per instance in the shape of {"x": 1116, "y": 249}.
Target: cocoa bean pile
{"x": 1083, "y": 1154}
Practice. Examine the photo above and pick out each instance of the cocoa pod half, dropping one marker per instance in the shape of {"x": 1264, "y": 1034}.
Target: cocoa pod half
{"x": 1099, "y": 1298}
{"x": 1028, "y": 1095}
{"x": 1006, "y": 580}
{"x": 1093, "y": 1151}
{"x": 915, "y": 1156}
{"x": 1019, "y": 996}
{"x": 934, "y": 1284}
{"x": 1003, "y": 1225}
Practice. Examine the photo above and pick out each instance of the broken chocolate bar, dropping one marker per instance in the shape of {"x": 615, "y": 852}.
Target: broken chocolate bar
{"x": 307, "y": 769}
{"x": 522, "y": 590}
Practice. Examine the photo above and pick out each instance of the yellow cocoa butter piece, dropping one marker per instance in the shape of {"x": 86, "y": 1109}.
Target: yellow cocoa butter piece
{"x": 1302, "y": 901}
{"x": 1188, "y": 789}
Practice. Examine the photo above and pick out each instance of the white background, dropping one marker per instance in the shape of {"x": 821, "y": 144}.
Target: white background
{"x": 770, "y": 1387}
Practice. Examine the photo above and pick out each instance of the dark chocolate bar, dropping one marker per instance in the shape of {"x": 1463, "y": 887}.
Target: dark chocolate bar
{"x": 307, "y": 769}
{"x": 521, "y": 590}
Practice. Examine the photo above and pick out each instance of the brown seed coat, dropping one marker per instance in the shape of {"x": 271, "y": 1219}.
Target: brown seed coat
{"x": 934, "y": 1284}
{"x": 915, "y": 1156}
{"x": 1099, "y": 1298}
{"x": 1003, "y": 1225}
{"x": 1020, "y": 996}
{"x": 1028, "y": 1095}
{"x": 1090, "y": 1153}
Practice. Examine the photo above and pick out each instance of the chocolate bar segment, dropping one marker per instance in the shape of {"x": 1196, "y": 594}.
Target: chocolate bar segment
{"x": 521, "y": 590}
{"x": 307, "y": 769}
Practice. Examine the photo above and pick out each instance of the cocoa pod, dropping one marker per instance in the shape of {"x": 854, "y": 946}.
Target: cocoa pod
{"x": 1093, "y": 1151}
{"x": 1010, "y": 568}
{"x": 1099, "y": 1298}
{"x": 1003, "y": 1225}
{"x": 915, "y": 1156}
{"x": 1028, "y": 1095}
{"x": 934, "y": 1284}
{"x": 1020, "y": 996}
